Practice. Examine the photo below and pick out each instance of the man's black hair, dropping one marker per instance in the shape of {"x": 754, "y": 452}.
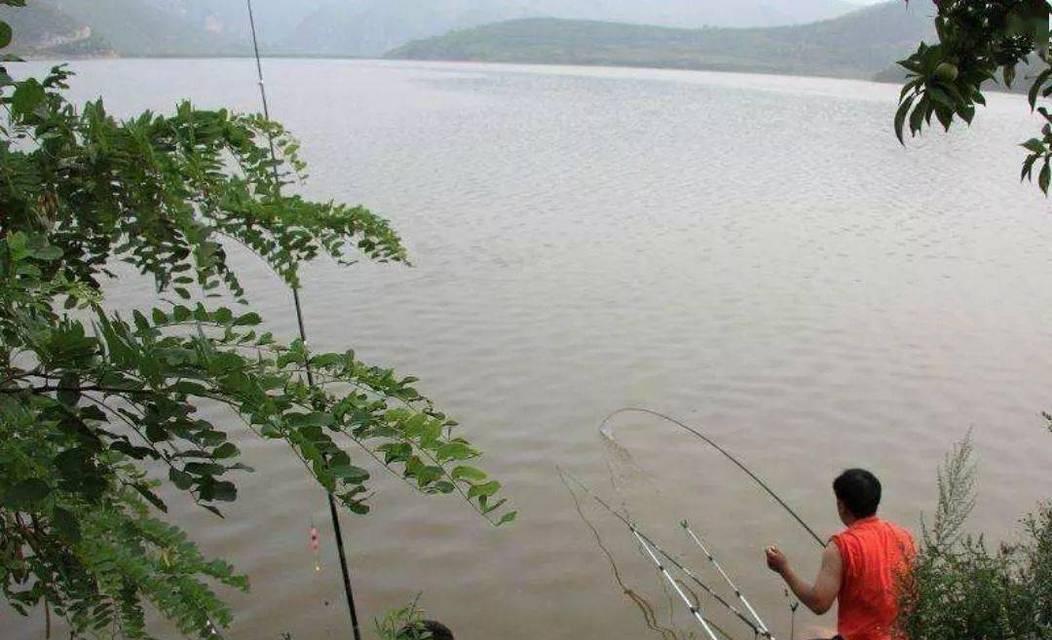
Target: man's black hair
{"x": 429, "y": 629}
{"x": 859, "y": 490}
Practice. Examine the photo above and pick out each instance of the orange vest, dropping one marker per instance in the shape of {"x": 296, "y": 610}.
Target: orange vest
{"x": 874, "y": 553}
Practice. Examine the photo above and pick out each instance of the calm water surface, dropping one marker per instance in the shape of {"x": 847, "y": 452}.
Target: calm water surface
{"x": 756, "y": 255}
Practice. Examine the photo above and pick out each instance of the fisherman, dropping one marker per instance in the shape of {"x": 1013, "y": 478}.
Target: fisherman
{"x": 861, "y": 568}
{"x": 425, "y": 630}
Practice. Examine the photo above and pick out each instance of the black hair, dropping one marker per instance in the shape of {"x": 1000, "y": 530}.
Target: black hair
{"x": 859, "y": 490}
{"x": 429, "y": 629}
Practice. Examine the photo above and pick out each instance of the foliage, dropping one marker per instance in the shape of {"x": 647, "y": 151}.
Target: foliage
{"x": 956, "y": 483}
{"x": 394, "y": 623}
{"x": 93, "y": 403}
{"x": 959, "y": 588}
{"x": 976, "y": 40}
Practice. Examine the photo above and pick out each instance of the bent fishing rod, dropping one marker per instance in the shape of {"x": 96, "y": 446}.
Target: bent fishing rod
{"x": 334, "y": 514}
{"x": 738, "y": 463}
{"x": 648, "y": 542}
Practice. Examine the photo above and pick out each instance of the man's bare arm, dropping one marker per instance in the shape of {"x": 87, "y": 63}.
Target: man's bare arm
{"x": 820, "y": 596}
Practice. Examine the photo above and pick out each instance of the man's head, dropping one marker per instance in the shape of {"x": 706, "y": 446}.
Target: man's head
{"x": 425, "y": 630}
{"x": 857, "y": 494}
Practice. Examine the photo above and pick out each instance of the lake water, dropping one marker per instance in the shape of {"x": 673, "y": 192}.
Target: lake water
{"x": 755, "y": 255}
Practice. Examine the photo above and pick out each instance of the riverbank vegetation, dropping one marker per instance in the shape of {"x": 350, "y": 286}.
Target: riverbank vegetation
{"x": 100, "y": 408}
{"x": 961, "y": 586}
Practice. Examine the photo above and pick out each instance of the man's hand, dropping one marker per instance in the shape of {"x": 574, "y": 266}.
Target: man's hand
{"x": 776, "y": 560}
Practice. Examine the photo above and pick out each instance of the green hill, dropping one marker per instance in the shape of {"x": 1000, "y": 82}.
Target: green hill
{"x": 371, "y": 27}
{"x": 859, "y": 44}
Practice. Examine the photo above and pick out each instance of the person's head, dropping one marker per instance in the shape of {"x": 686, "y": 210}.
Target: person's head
{"x": 857, "y": 494}
{"x": 425, "y": 630}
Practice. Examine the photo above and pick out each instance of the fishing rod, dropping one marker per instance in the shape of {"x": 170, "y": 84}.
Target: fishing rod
{"x": 668, "y": 556}
{"x": 737, "y": 592}
{"x": 333, "y": 513}
{"x": 726, "y": 454}
{"x": 694, "y": 609}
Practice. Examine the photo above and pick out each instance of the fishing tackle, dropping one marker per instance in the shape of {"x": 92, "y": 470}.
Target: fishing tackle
{"x": 333, "y": 513}
{"x": 648, "y": 543}
{"x": 315, "y": 547}
{"x": 737, "y": 592}
{"x": 694, "y": 609}
{"x": 725, "y": 453}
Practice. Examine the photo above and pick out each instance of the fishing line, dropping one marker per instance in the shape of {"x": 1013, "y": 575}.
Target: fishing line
{"x": 726, "y": 454}
{"x": 333, "y": 513}
{"x": 649, "y": 615}
{"x": 665, "y": 554}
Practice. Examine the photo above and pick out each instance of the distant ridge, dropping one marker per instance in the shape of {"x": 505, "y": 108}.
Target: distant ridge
{"x": 860, "y": 44}
{"x": 355, "y": 28}
{"x": 372, "y": 27}
{"x": 42, "y": 31}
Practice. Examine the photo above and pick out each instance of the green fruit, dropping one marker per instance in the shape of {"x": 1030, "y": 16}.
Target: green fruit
{"x": 946, "y": 72}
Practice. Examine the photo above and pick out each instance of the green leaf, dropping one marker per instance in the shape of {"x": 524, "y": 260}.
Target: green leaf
{"x": 204, "y": 469}
{"x": 224, "y": 491}
{"x": 944, "y": 115}
{"x": 1034, "y": 145}
{"x": 484, "y": 490}
{"x": 900, "y": 118}
{"x": 917, "y": 117}
{"x": 350, "y": 474}
{"x": 47, "y": 253}
{"x": 1028, "y": 167}
{"x": 507, "y": 518}
{"x": 5, "y": 34}
{"x": 180, "y": 479}
{"x": 225, "y": 450}
{"x": 1043, "y": 179}
{"x": 68, "y": 393}
{"x": 248, "y": 319}
{"x": 1035, "y": 88}
{"x": 313, "y": 419}
{"x": 940, "y": 96}
{"x": 455, "y": 451}
{"x": 151, "y": 497}
{"x": 471, "y": 474}
{"x": 443, "y": 486}
{"x": 67, "y": 524}
{"x": 27, "y": 97}
{"x": 26, "y": 494}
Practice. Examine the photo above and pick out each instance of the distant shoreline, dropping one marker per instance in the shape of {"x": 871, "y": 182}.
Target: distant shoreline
{"x": 249, "y": 56}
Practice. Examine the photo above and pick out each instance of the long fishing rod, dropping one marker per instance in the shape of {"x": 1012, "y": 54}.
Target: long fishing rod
{"x": 334, "y": 515}
{"x": 694, "y": 609}
{"x": 665, "y": 554}
{"x": 737, "y": 592}
{"x": 727, "y": 455}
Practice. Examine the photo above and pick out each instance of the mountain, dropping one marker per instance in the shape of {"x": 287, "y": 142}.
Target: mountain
{"x": 228, "y": 19}
{"x": 143, "y": 28}
{"x": 859, "y": 44}
{"x": 371, "y": 27}
{"x": 41, "y": 31}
